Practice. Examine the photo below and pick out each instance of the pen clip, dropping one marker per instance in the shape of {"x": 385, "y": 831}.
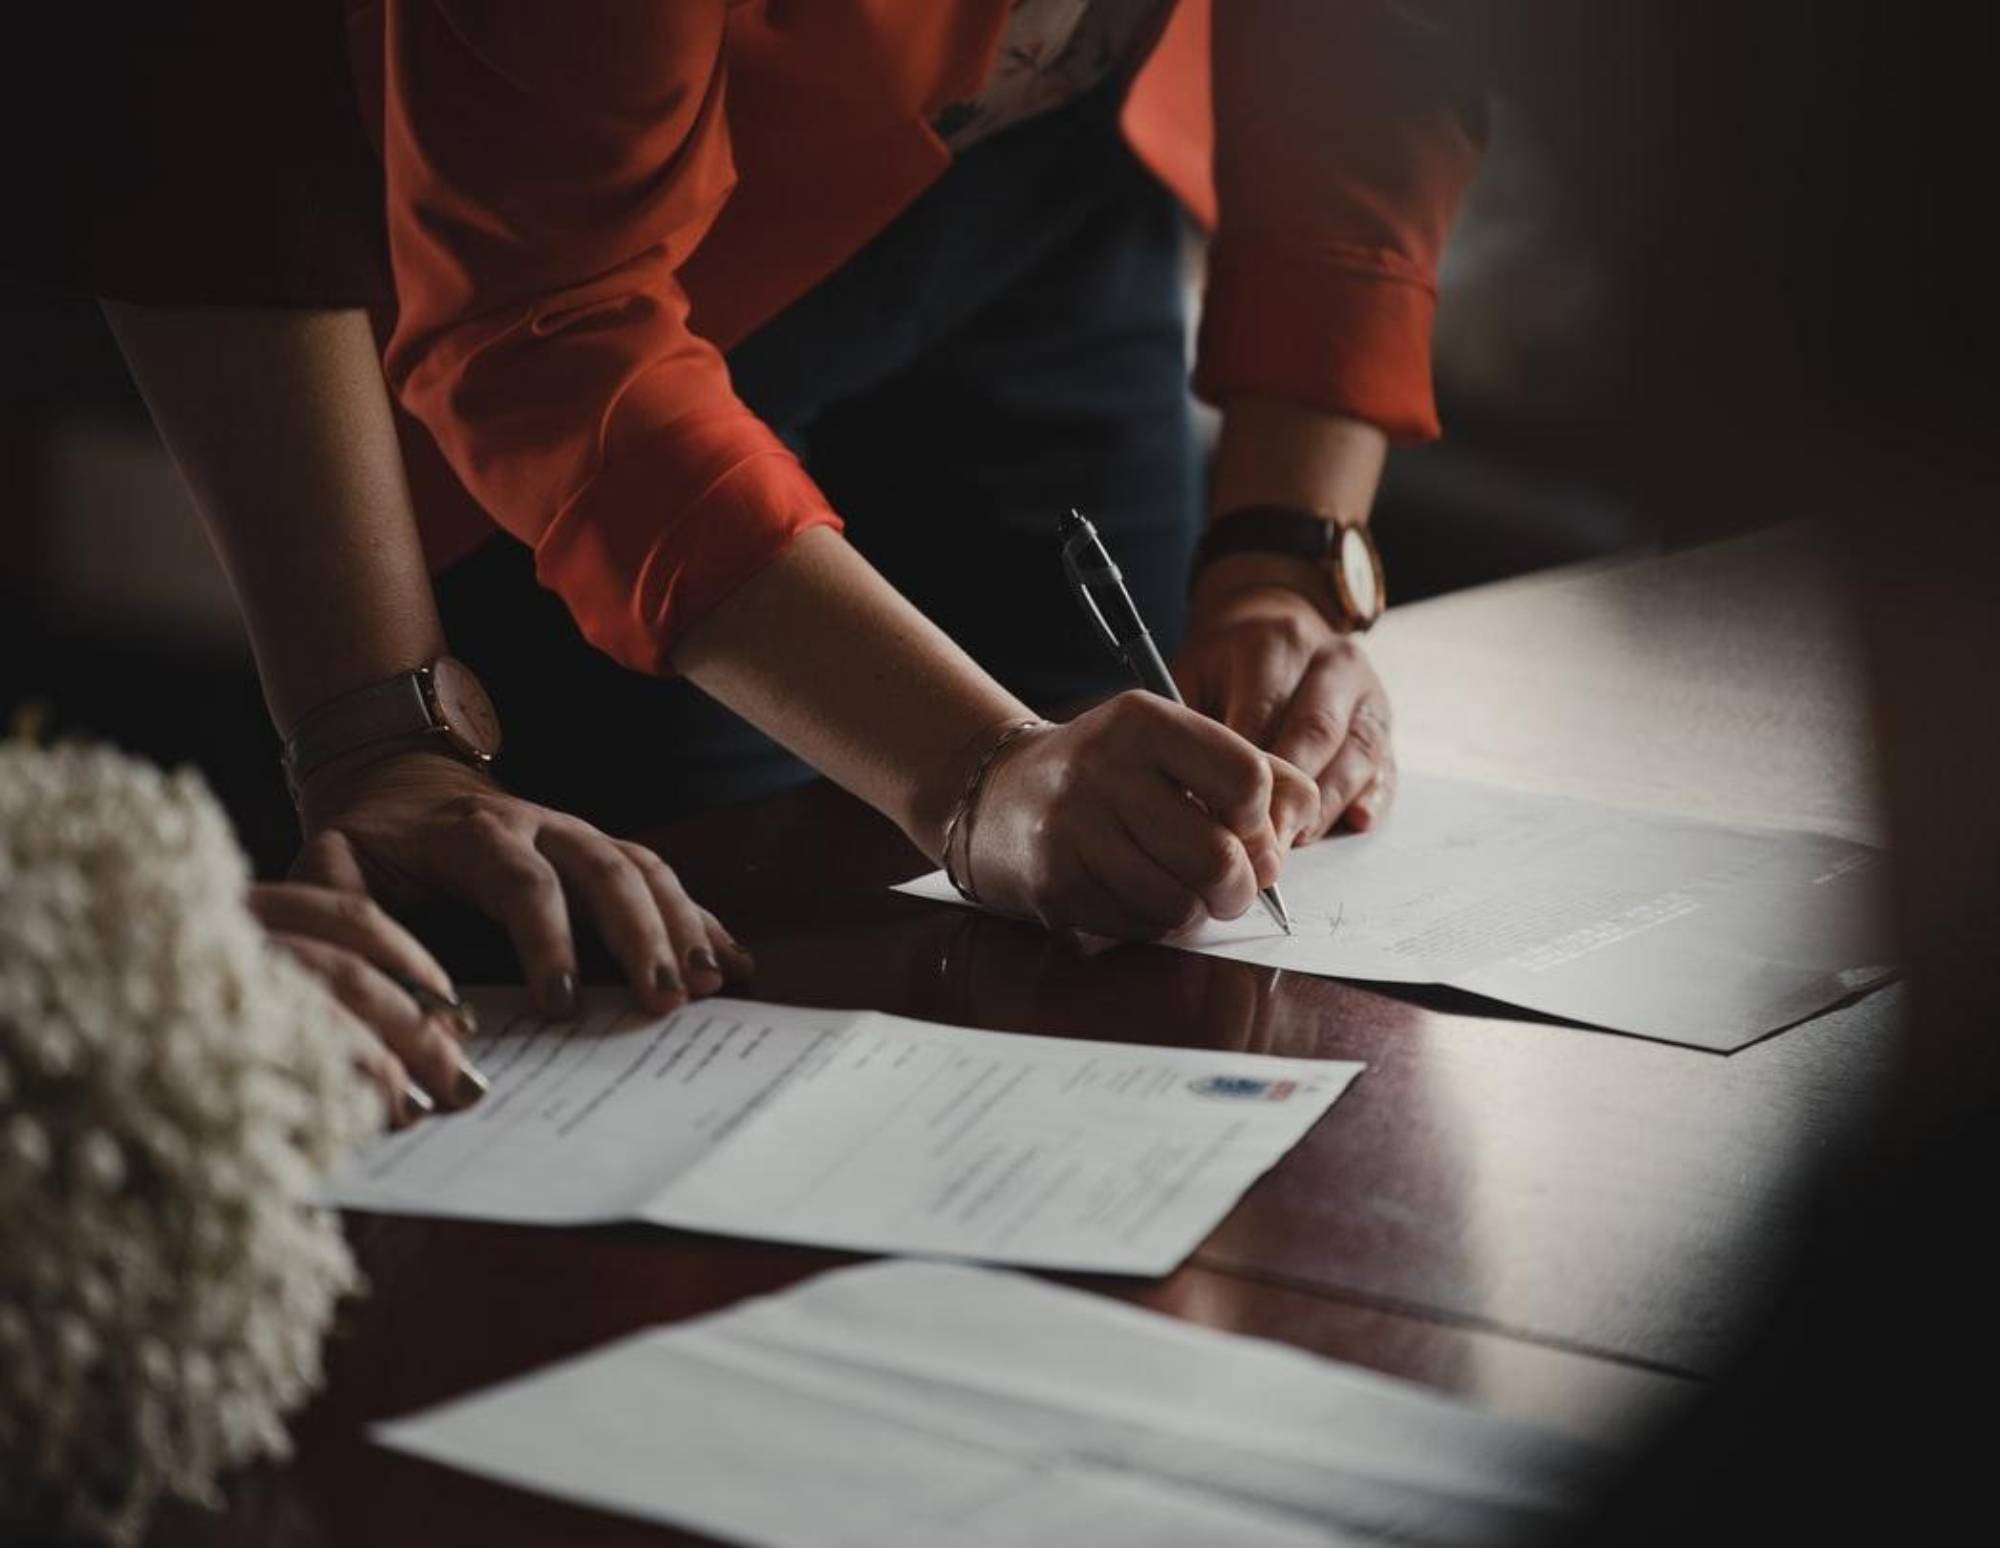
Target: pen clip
{"x": 1082, "y": 589}
{"x": 1073, "y": 572}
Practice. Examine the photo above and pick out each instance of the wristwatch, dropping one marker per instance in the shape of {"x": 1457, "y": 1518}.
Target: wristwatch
{"x": 1345, "y": 552}
{"x": 440, "y": 704}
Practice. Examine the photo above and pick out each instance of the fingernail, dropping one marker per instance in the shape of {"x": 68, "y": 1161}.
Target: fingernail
{"x": 417, "y": 1097}
{"x": 562, "y": 994}
{"x": 466, "y": 1018}
{"x": 470, "y": 1086}
{"x": 667, "y": 980}
{"x": 749, "y": 962}
{"x": 702, "y": 960}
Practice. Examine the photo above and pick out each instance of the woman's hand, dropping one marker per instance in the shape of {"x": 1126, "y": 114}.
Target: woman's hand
{"x": 1263, "y": 660}
{"x": 1136, "y": 820}
{"x": 1260, "y": 654}
{"x": 366, "y": 959}
{"x": 415, "y": 826}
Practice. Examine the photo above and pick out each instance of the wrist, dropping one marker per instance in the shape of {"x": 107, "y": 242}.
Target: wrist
{"x": 1231, "y": 578}
{"x": 1263, "y": 547}
{"x": 956, "y": 856}
{"x": 936, "y": 794}
{"x": 441, "y": 704}
{"x": 335, "y": 785}
{"x": 297, "y": 681}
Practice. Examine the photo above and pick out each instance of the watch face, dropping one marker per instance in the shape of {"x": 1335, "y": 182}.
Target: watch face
{"x": 462, "y": 704}
{"x": 1360, "y": 576}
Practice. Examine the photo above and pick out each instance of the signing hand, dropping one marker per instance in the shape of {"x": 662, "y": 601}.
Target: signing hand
{"x": 417, "y": 825}
{"x": 364, "y": 957}
{"x": 1262, "y": 658}
{"x": 1135, "y": 820}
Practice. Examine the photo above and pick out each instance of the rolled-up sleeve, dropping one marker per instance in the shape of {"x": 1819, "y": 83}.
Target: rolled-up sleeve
{"x": 1344, "y": 139}
{"x": 547, "y": 170}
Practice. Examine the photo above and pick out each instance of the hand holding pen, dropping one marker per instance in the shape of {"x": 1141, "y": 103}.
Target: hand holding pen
{"x": 1137, "y": 819}
{"x": 1100, "y": 590}
{"x": 1089, "y": 825}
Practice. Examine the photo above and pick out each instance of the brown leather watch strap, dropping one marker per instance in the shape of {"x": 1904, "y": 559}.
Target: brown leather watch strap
{"x": 1319, "y": 540}
{"x": 399, "y": 709}
{"x": 1268, "y": 529}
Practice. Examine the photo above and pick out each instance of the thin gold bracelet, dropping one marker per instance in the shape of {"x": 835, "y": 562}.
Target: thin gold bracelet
{"x": 961, "y": 814}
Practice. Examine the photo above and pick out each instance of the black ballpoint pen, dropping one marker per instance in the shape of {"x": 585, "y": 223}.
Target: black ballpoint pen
{"x": 1100, "y": 589}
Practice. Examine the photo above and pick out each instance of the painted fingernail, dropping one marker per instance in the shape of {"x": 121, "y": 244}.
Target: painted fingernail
{"x": 742, "y": 951}
{"x": 667, "y": 979}
{"x": 416, "y": 1097}
{"x": 562, "y": 993}
{"x": 465, "y": 1018}
{"x": 702, "y": 960}
{"x": 470, "y": 1086}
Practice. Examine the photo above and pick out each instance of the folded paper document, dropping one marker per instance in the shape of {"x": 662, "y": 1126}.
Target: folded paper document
{"x": 853, "y": 1130}
{"x": 901, "y": 1404}
{"x": 1686, "y": 931}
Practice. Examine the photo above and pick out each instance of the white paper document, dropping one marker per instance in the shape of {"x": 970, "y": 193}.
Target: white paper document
{"x": 904, "y": 1404}
{"x": 1686, "y": 931}
{"x": 850, "y": 1129}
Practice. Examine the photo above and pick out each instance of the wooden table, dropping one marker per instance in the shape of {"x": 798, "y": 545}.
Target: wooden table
{"x": 1561, "y": 1224}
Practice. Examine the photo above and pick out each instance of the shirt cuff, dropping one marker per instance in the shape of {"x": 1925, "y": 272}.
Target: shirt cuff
{"x": 1347, "y": 331}
{"x": 638, "y": 572}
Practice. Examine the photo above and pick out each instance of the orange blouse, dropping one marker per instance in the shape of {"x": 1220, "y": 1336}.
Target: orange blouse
{"x": 588, "y": 203}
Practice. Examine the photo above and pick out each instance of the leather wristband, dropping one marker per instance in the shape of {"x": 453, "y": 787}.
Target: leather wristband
{"x": 440, "y": 704}
{"x": 1345, "y": 553}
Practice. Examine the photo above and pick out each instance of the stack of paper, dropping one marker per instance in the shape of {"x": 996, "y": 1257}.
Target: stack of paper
{"x": 851, "y": 1129}
{"x": 906, "y": 1404}
{"x": 1686, "y": 931}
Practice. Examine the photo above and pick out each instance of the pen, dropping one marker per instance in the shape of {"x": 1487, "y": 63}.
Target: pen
{"x": 1100, "y": 590}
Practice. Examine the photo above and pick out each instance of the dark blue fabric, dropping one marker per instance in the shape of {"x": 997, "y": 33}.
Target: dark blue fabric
{"x": 1013, "y": 344}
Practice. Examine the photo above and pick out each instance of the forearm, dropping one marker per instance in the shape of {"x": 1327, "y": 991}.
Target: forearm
{"x": 1278, "y": 453}
{"x": 822, "y": 654}
{"x": 333, "y": 586}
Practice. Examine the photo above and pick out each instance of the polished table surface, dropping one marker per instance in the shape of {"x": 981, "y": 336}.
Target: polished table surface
{"x": 1562, "y": 1224}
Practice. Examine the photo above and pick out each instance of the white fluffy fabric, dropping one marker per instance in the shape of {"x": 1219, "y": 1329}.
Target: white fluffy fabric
{"x": 172, "y": 1090}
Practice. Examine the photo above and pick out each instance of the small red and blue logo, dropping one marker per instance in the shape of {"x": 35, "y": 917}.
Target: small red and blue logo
{"x": 1243, "y": 1088}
